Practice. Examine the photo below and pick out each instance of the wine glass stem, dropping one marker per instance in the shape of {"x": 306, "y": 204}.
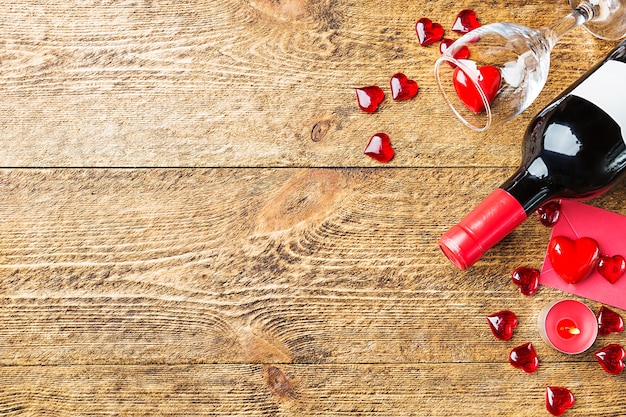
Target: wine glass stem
{"x": 581, "y": 14}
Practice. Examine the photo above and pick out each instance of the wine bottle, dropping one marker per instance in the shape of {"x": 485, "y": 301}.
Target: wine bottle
{"x": 574, "y": 148}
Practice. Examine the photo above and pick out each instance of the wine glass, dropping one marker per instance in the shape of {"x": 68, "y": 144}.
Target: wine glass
{"x": 493, "y": 73}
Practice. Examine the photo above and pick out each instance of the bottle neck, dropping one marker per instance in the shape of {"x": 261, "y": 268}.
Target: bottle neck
{"x": 494, "y": 218}
{"x": 529, "y": 188}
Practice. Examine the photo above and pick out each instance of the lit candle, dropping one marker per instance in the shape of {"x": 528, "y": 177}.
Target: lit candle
{"x": 568, "y": 326}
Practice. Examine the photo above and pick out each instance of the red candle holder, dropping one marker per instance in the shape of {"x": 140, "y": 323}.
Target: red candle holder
{"x": 569, "y": 326}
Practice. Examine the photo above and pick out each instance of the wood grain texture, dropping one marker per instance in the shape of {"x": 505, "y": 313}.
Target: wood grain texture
{"x": 242, "y": 83}
{"x": 266, "y": 292}
{"x": 189, "y": 226}
{"x": 298, "y": 390}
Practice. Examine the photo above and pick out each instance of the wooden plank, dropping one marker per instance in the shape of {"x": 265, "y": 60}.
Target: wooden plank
{"x": 298, "y": 390}
{"x": 311, "y": 327}
{"x": 238, "y": 83}
{"x": 246, "y": 265}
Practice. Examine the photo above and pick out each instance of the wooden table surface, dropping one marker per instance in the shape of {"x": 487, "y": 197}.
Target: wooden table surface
{"x": 190, "y": 227}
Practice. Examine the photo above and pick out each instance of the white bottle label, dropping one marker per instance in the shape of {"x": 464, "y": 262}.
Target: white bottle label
{"x": 606, "y": 88}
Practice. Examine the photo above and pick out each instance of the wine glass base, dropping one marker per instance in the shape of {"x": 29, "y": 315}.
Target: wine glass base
{"x": 609, "y": 19}
{"x": 601, "y": 32}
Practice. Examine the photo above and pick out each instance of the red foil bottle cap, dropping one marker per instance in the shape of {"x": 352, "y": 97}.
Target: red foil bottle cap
{"x": 494, "y": 218}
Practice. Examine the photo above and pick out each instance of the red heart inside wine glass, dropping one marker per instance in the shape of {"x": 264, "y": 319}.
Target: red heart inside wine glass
{"x": 473, "y": 95}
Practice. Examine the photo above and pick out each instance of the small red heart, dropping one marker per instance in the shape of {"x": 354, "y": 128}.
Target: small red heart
{"x": 549, "y": 213}
{"x": 558, "y": 400}
{"x": 609, "y": 322}
{"x": 379, "y": 148}
{"x": 612, "y": 267}
{"x": 465, "y": 21}
{"x": 502, "y": 324}
{"x": 462, "y": 53}
{"x": 524, "y": 357}
{"x": 488, "y": 79}
{"x": 573, "y": 260}
{"x": 402, "y": 88}
{"x": 427, "y": 31}
{"x": 611, "y": 358}
{"x": 527, "y": 279}
{"x": 369, "y": 97}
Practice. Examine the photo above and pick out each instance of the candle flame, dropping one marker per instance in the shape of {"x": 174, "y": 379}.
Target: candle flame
{"x": 570, "y": 330}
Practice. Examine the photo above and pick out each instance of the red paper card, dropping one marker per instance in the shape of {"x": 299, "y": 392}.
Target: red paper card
{"x": 609, "y": 230}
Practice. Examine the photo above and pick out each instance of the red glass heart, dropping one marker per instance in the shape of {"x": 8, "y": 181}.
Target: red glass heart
{"x": 527, "y": 279}
{"x": 502, "y": 324}
{"x": 549, "y": 213}
{"x": 369, "y": 97}
{"x": 524, "y": 357}
{"x": 462, "y": 53}
{"x": 609, "y": 322}
{"x": 488, "y": 79}
{"x": 445, "y": 44}
{"x": 612, "y": 267}
{"x": 402, "y": 88}
{"x": 465, "y": 21}
{"x": 558, "y": 400}
{"x": 427, "y": 31}
{"x": 611, "y": 358}
{"x": 379, "y": 148}
{"x": 573, "y": 260}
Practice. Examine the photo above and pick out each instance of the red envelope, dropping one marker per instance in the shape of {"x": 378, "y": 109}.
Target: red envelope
{"x": 609, "y": 230}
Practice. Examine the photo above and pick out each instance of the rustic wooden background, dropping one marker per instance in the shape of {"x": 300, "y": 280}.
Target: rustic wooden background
{"x": 190, "y": 227}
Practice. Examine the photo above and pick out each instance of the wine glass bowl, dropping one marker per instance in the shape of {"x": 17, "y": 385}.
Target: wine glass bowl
{"x": 521, "y": 57}
{"x": 493, "y": 73}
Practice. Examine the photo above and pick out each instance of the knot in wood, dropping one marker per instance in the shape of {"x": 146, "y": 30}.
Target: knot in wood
{"x": 320, "y": 129}
{"x": 278, "y": 382}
